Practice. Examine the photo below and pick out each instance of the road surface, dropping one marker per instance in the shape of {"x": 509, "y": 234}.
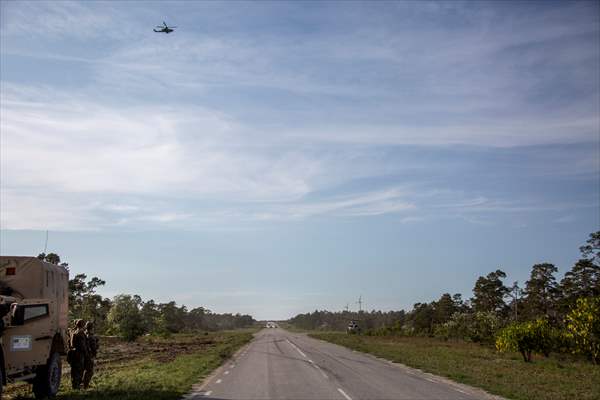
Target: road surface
{"x": 279, "y": 364}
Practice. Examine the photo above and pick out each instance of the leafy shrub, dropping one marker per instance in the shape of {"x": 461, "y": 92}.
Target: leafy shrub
{"x": 442, "y": 331}
{"x": 478, "y": 327}
{"x": 583, "y": 327}
{"x": 124, "y": 317}
{"x": 485, "y": 326}
{"x": 527, "y": 337}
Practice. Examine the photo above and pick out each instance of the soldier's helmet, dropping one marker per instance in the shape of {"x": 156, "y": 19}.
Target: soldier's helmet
{"x": 89, "y": 325}
{"x": 79, "y": 323}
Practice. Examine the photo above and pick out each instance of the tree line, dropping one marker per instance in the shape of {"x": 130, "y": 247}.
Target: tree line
{"x": 129, "y": 316}
{"x": 542, "y": 316}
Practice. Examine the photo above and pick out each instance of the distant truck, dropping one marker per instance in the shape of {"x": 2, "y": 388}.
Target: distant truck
{"x": 353, "y": 328}
{"x": 34, "y": 306}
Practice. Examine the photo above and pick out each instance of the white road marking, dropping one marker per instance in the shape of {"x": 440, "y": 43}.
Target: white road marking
{"x": 344, "y": 394}
{"x": 321, "y": 371}
{"x": 462, "y": 391}
{"x": 208, "y": 393}
{"x": 219, "y": 381}
{"x": 226, "y": 372}
{"x": 296, "y": 347}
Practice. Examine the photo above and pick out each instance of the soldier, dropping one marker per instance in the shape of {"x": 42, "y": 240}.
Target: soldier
{"x": 92, "y": 344}
{"x": 78, "y": 352}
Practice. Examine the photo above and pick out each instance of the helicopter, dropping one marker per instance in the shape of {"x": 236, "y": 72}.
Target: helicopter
{"x": 164, "y": 28}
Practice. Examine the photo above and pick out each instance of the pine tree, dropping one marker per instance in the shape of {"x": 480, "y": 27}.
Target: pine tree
{"x": 583, "y": 280}
{"x": 489, "y": 292}
{"x": 541, "y": 291}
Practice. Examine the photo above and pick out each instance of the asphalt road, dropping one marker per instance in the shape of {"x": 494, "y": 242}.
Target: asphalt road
{"x": 281, "y": 365}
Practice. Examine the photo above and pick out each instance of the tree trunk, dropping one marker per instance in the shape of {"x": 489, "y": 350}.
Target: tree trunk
{"x": 524, "y": 355}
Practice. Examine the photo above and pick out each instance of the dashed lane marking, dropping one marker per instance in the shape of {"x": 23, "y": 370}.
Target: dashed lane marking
{"x": 208, "y": 393}
{"x": 226, "y": 372}
{"x": 296, "y": 347}
{"x": 321, "y": 371}
{"x": 344, "y": 394}
{"x": 219, "y": 381}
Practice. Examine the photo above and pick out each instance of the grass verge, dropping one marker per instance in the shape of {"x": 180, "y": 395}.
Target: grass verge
{"x": 553, "y": 378}
{"x": 152, "y": 368}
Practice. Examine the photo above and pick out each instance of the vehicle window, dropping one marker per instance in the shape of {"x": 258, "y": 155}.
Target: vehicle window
{"x": 35, "y": 311}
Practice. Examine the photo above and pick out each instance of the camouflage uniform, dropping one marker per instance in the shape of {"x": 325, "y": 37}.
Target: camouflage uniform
{"x": 92, "y": 344}
{"x": 78, "y": 353}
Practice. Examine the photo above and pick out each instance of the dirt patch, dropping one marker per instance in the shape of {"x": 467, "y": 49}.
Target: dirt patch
{"x": 115, "y": 351}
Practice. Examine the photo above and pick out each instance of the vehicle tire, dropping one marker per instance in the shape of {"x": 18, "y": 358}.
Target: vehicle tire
{"x": 47, "y": 380}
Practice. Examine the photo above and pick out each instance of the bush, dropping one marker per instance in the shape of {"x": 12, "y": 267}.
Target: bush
{"x": 583, "y": 328}
{"x": 528, "y": 337}
{"x": 479, "y": 327}
{"x": 442, "y": 331}
{"x": 124, "y": 317}
{"x": 485, "y": 327}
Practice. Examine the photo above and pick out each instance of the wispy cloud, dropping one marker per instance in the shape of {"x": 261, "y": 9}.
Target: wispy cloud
{"x": 243, "y": 123}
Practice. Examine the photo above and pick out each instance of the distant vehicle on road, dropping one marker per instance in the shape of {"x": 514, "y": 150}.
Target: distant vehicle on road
{"x": 34, "y": 306}
{"x": 271, "y": 325}
{"x": 353, "y": 328}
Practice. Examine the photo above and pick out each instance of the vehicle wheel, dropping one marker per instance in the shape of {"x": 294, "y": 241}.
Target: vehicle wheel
{"x": 47, "y": 380}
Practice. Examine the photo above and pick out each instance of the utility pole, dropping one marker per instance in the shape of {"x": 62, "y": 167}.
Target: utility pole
{"x": 359, "y": 302}
{"x": 347, "y": 307}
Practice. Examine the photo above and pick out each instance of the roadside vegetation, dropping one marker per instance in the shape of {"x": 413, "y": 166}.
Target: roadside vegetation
{"x": 148, "y": 350}
{"x": 557, "y": 377}
{"x": 151, "y": 367}
{"x": 129, "y": 316}
{"x": 539, "y": 341}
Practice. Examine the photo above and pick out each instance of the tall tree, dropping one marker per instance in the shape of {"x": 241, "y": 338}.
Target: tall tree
{"x": 150, "y": 316}
{"x": 583, "y": 280}
{"x": 423, "y": 317}
{"x": 515, "y": 294}
{"x": 459, "y": 304}
{"x": 591, "y": 250}
{"x": 541, "y": 291}
{"x": 489, "y": 292}
{"x": 444, "y": 308}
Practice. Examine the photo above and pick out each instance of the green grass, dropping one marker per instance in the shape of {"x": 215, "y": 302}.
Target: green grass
{"x": 553, "y": 378}
{"x": 154, "y": 368}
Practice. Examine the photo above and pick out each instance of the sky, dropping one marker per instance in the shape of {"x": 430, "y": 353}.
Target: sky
{"x": 274, "y": 158}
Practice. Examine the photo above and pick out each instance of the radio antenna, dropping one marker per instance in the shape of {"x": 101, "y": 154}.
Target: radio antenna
{"x": 46, "y": 244}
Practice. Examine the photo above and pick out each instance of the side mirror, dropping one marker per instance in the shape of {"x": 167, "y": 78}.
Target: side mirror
{"x": 18, "y": 315}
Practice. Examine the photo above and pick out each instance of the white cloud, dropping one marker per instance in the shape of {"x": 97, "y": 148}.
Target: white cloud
{"x": 75, "y": 145}
{"x": 136, "y": 142}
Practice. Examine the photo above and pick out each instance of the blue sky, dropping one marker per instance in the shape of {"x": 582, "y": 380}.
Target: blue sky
{"x": 282, "y": 157}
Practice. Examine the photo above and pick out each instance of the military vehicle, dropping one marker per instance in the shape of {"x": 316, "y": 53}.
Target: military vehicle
{"x": 353, "y": 327}
{"x": 34, "y": 305}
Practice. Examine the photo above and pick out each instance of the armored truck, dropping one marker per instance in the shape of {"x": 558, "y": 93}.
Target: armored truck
{"x": 353, "y": 328}
{"x": 34, "y": 305}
